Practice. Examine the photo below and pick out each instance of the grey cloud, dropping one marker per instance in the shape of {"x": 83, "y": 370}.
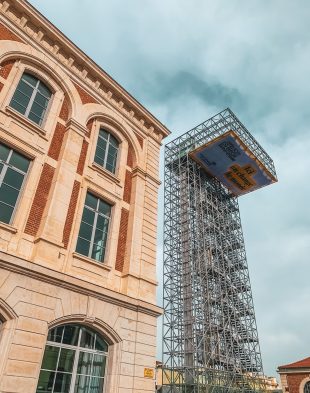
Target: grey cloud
{"x": 186, "y": 61}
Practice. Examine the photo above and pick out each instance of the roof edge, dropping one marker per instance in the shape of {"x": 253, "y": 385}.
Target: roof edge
{"x": 29, "y": 12}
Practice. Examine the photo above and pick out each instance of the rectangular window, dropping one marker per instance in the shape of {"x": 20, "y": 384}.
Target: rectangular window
{"x": 107, "y": 150}
{"x": 31, "y": 98}
{"x": 94, "y": 227}
{"x": 13, "y": 170}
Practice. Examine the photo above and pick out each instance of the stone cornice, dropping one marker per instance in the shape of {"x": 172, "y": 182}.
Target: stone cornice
{"x": 34, "y": 26}
{"x": 44, "y": 274}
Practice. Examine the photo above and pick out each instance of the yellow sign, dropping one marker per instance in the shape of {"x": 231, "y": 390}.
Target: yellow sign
{"x": 241, "y": 176}
{"x": 149, "y": 373}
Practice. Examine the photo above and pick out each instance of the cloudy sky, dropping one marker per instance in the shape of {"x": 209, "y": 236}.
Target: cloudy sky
{"x": 186, "y": 61}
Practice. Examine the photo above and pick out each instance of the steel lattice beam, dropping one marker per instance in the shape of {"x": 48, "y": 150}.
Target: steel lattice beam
{"x": 210, "y": 341}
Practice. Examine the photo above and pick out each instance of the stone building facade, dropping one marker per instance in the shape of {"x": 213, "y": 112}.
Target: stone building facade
{"x": 79, "y": 160}
{"x": 295, "y": 377}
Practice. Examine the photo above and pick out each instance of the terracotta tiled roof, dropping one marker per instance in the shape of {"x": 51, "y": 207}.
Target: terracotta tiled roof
{"x": 300, "y": 364}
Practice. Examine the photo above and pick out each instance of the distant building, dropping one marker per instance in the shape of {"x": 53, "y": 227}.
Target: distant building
{"x": 295, "y": 377}
{"x": 272, "y": 384}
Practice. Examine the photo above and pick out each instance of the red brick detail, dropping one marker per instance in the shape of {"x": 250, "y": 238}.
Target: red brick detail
{"x": 71, "y": 213}
{"x": 5, "y": 68}
{"x": 65, "y": 110}
{"x": 40, "y": 200}
{"x": 294, "y": 381}
{"x": 140, "y": 139}
{"x": 127, "y": 187}
{"x": 85, "y": 97}
{"x": 130, "y": 156}
{"x": 122, "y": 239}
{"x": 81, "y": 163}
{"x": 57, "y": 140}
{"x": 6, "y": 34}
{"x": 89, "y": 126}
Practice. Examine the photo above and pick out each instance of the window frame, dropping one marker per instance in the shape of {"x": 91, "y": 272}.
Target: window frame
{"x": 77, "y": 350}
{"x": 40, "y": 79}
{"x": 108, "y": 143}
{"x": 91, "y": 241}
{"x": 22, "y": 187}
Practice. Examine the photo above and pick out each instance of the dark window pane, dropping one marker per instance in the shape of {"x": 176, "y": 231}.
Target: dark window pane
{"x": 1, "y": 167}
{"x": 111, "y": 163}
{"x": 96, "y": 385}
{"x": 87, "y": 339}
{"x": 62, "y": 383}
{"x": 91, "y": 201}
{"x": 98, "y": 365}
{"x": 102, "y": 144}
{"x": 46, "y": 381}
{"x": 40, "y": 101}
{"x": 113, "y": 141}
{"x": 5, "y": 213}
{"x": 44, "y": 90}
{"x": 101, "y": 345}
{"x": 110, "y": 167}
{"x": 37, "y": 119}
{"x": 20, "y": 108}
{"x": 25, "y": 89}
{"x": 50, "y": 358}
{"x": 84, "y": 365}
{"x": 104, "y": 208}
{"x": 30, "y": 79}
{"x": 22, "y": 94}
{"x": 99, "y": 160}
{"x": 82, "y": 384}
{"x": 88, "y": 216}
{"x": 4, "y": 152}
{"x": 8, "y": 195}
{"x": 102, "y": 223}
{"x": 71, "y": 335}
{"x": 55, "y": 334}
{"x": 13, "y": 178}
{"x": 82, "y": 246}
{"x": 85, "y": 231}
{"x": 99, "y": 237}
{"x": 97, "y": 253}
{"x": 19, "y": 161}
{"x": 104, "y": 134}
{"x": 66, "y": 359}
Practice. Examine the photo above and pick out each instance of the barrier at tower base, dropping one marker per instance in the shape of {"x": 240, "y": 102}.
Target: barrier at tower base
{"x": 210, "y": 339}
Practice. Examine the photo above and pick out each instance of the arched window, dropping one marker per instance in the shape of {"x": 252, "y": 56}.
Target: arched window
{"x": 31, "y": 98}
{"x": 307, "y": 387}
{"x": 107, "y": 150}
{"x": 74, "y": 361}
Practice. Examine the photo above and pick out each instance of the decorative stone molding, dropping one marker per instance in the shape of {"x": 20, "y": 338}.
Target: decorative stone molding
{"x": 107, "y": 331}
{"x": 41, "y": 273}
{"x": 6, "y": 312}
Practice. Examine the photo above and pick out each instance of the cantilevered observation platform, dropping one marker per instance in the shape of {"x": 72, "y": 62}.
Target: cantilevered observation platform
{"x": 210, "y": 341}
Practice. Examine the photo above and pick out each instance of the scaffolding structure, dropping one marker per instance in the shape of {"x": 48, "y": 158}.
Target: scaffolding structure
{"x": 210, "y": 341}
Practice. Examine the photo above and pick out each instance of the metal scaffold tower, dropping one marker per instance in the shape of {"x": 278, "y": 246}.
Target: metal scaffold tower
{"x": 210, "y": 341}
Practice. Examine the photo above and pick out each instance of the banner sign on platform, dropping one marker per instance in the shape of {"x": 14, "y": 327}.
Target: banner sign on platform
{"x": 229, "y": 160}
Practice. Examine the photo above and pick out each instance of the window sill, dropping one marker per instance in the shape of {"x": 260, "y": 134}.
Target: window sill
{"x": 25, "y": 121}
{"x": 93, "y": 261}
{"x": 8, "y": 227}
{"x": 105, "y": 172}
